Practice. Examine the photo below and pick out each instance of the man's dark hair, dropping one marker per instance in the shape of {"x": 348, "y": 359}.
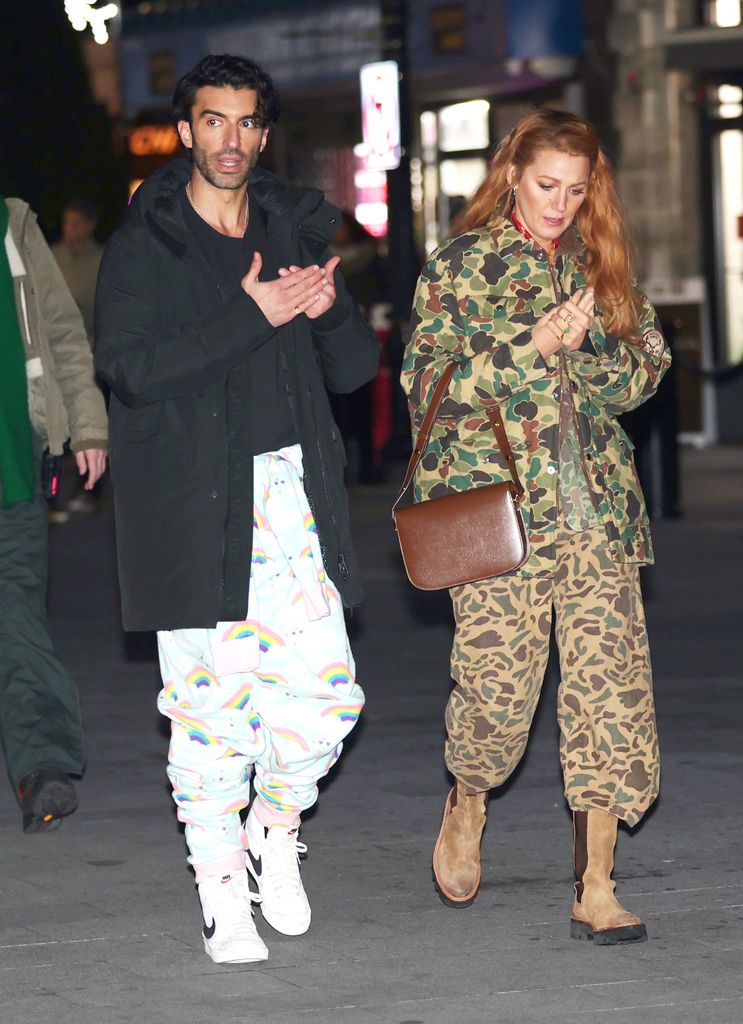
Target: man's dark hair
{"x": 81, "y": 204}
{"x": 224, "y": 70}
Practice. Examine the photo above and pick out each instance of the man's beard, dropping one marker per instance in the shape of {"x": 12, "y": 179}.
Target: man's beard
{"x": 201, "y": 160}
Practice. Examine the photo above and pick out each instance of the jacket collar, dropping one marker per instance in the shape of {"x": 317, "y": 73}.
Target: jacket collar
{"x": 158, "y": 203}
{"x": 510, "y": 242}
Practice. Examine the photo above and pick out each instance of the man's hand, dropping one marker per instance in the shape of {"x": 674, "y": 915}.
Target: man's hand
{"x": 327, "y": 296}
{"x": 93, "y": 462}
{"x": 287, "y": 296}
{"x": 566, "y": 325}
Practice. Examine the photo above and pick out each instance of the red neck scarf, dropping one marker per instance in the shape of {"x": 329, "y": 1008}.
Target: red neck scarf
{"x": 552, "y": 252}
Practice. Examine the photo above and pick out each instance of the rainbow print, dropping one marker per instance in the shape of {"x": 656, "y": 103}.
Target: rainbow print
{"x": 306, "y": 552}
{"x": 196, "y": 729}
{"x": 200, "y": 677}
{"x": 259, "y": 520}
{"x": 170, "y": 692}
{"x": 241, "y": 699}
{"x": 293, "y": 737}
{"x": 235, "y": 805}
{"x": 270, "y": 794}
{"x": 309, "y": 523}
{"x": 197, "y": 736}
{"x": 272, "y": 678}
{"x": 346, "y": 712}
{"x": 241, "y": 630}
{"x": 254, "y": 721}
{"x": 269, "y": 639}
{"x": 336, "y": 674}
{"x": 259, "y": 556}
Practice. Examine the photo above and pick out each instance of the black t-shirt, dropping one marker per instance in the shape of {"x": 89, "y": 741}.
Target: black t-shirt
{"x": 272, "y": 424}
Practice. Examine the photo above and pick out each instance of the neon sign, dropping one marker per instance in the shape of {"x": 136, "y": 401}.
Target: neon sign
{"x": 153, "y": 140}
{"x": 82, "y": 13}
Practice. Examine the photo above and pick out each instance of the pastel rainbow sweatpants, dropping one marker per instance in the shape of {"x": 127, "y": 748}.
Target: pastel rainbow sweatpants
{"x": 274, "y": 694}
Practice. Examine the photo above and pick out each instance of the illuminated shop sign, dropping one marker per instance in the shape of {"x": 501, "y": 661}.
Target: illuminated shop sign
{"x": 380, "y": 114}
{"x": 153, "y": 140}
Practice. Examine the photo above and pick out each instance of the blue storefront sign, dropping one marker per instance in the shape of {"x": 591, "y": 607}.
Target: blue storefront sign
{"x": 544, "y": 28}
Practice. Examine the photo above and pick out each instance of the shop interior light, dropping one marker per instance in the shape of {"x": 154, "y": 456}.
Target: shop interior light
{"x": 84, "y": 13}
{"x": 730, "y": 98}
{"x": 726, "y": 13}
{"x": 464, "y": 126}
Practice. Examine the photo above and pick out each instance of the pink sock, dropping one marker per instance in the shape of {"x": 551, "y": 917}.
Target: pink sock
{"x": 229, "y": 865}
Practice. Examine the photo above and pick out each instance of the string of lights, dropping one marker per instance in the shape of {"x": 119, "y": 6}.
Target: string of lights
{"x": 83, "y": 14}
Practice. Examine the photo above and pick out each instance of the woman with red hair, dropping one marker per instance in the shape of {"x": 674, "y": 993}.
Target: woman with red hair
{"x": 536, "y": 300}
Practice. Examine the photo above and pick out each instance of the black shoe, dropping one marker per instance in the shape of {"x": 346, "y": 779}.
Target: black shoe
{"x": 46, "y": 796}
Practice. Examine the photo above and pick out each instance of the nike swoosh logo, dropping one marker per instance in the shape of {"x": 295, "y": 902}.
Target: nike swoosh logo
{"x": 257, "y": 864}
{"x": 209, "y": 932}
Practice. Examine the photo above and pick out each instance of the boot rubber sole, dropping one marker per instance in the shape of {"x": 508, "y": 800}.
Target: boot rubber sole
{"x": 447, "y": 898}
{"x": 607, "y": 936}
{"x": 453, "y": 901}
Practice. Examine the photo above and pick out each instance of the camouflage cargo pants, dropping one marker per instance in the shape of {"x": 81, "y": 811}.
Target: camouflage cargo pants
{"x": 608, "y": 739}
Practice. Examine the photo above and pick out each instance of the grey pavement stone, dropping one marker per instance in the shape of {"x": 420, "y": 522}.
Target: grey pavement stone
{"x": 99, "y": 922}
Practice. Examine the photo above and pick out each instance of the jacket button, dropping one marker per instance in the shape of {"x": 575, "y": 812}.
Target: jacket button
{"x": 556, "y": 394}
{"x": 214, "y": 494}
{"x": 573, "y": 385}
{"x": 551, "y": 470}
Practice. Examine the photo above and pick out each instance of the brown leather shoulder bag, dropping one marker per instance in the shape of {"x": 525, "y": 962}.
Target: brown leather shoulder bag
{"x": 466, "y": 536}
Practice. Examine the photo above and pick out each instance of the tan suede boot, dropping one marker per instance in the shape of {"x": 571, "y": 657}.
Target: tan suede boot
{"x": 597, "y": 914}
{"x": 456, "y": 855}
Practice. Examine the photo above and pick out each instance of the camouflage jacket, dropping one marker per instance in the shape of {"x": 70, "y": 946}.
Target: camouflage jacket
{"x": 477, "y": 299}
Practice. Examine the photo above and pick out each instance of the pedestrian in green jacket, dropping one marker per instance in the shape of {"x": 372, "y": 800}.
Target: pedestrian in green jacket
{"x": 536, "y": 300}
{"x": 48, "y": 395}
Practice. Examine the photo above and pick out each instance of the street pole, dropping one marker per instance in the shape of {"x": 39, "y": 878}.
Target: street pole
{"x": 403, "y": 259}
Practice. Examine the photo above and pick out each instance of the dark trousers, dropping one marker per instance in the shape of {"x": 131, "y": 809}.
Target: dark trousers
{"x": 40, "y": 723}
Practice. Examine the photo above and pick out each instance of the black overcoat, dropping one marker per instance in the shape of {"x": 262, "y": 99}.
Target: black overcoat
{"x": 173, "y": 343}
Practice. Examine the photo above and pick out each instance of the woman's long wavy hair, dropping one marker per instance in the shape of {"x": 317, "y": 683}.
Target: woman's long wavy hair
{"x": 608, "y": 262}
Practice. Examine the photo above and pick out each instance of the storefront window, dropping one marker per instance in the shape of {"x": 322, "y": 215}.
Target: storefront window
{"x": 724, "y": 13}
{"x": 464, "y": 126}
{"x": 729, "y": 224}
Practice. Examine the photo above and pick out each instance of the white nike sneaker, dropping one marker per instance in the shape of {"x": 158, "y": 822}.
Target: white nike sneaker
{"x": 229, "y": 933}
{"x": 273, "y": 861}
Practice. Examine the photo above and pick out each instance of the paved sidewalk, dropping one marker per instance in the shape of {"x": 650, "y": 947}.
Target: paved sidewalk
{"x": 99, "y": 922}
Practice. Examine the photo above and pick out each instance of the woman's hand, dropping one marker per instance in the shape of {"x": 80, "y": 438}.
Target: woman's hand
{"x": 566, "y": 325}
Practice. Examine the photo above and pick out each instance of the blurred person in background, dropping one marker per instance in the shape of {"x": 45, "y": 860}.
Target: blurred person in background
{"x": 78, "y": 256}
{"x": 536, "y": 300}
{"x": 221, "y": 319}
{"x": 365, "y": 276}
{"x": 47, "y": 396}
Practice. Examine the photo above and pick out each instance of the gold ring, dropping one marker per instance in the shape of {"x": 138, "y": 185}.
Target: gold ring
{"x": 569, "y": 317}
{"x": 566, "y": 331}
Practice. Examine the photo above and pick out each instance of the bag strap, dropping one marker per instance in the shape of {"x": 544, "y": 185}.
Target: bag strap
{"x": 423, "y": 436}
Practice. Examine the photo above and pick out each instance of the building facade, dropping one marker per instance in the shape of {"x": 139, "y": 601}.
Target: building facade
{"x": 678, "y": 117}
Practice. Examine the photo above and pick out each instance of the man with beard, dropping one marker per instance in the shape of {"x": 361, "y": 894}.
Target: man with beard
{"x": 220, "y": 322}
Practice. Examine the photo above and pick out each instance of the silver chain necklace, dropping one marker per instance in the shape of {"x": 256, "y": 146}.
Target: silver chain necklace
{"x": 193, "y": 206}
